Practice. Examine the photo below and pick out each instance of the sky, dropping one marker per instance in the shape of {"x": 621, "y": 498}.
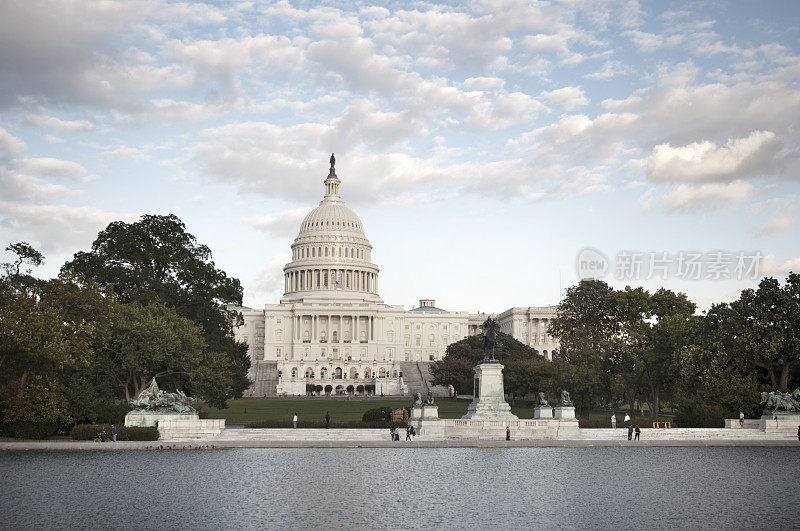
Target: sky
{"x": 496, "y": 151}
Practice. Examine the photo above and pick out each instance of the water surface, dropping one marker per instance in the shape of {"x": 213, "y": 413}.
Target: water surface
{"x": 453, "y": 488}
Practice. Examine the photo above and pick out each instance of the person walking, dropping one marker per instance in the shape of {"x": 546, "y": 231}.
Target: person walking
{"x": 414, "y": 432}
{"x": 638, "y": 431}
{"x": 397, "y": 433}
{"x": 613, "y": 421}
{"x": 294, "y": 421}
{"x": 798, "y": 433}
{"x": 114, "y": 432}
{"x": 627, "y": 420}
{"x": 508, "y": 433}
{"x": 408, "y": 433}
{"x": 630, "y": 431}
{"x": 327, "y": 419}
{"x": 103, "y": 435}
{"x": 741, "y": 419}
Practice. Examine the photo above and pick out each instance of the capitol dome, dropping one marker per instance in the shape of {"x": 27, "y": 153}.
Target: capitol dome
{"x": 331, "y": 254}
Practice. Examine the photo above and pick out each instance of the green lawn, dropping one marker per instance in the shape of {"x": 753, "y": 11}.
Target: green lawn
{"x": 253, "y": 410}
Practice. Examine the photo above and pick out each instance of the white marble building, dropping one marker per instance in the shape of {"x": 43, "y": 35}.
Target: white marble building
{"x": 331, "y": 328}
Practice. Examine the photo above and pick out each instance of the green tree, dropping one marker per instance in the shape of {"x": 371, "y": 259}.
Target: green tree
{"x": 586, "y": 325}
{"x": 140, "y": 343}
{"x": 762, "y": 328}
{"x": 156, "y": 260}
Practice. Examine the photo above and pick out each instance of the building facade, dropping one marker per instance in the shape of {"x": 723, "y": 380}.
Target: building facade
{"x": 332, "y": 333}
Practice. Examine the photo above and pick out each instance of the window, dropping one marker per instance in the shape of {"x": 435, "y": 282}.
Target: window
{"x": 431, "y": 340}
{"x": 390, "y": 336}
{"x": 418, "y": 341}
{"x": 390, "y": 353}
{"x": 278, "y": 353}
{"x": 407, "y": 340}
{"x": 294, "y": 372}
{"x": 278, "y": 334}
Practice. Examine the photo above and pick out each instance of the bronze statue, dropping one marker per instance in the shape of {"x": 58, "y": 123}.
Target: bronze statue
{"x": 777, "y": 402}
{"x": 542, "y": 400}
{"x": 565, "y": 401}
{"x": 429, "y": 398}
{"x": 417, "y": 399}
{"x": 153, "y": 398}
{"x": 490, "y": 328}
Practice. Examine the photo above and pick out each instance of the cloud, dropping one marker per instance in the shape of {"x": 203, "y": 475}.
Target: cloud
{"x": 55, "y": 228}
{"x": 568, "y": 98}
{"x": 281, "y": 224}
{"x": 706, "y": 196}
{"x": 51, "y": 123}
{"x": 705, "y": 161}
{"x": 775, "y": 225}
{"x": 269, "y": 280}
{"x": 48, "y": 166}
{"x": 768, "y": 266}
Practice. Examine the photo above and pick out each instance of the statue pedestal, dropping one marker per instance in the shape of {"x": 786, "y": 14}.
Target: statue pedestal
{"x": 543, "y": 412}
{"x": 152, "y": 418}
{"x": 565, "y": 413}
{"x": 489, "y": 402}
{"x": 416, "y": 413}
{"x": 430, "y": 412}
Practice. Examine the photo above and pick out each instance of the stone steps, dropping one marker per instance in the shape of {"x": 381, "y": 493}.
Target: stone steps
{"x": 289, "y": 434}
{"x": 680, "y": 433}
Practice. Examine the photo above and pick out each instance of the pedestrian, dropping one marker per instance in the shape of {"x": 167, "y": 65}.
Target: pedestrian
{"x": 638, "y": 431}
{"x": 408, "y": 434}
{"x": 741, "y": 419}
{"x": 414, "y": 432}
{"x": 798, "y": 433}
{"x": 327, "y": 419}
{"x": 397, "y": 433}
{"x": 627, "y": 420}
{"x": 114, "y": 432}
{"x": 103, "y": 435}
{"x": 630, "y": 431}
{"x": 294, "y": 421}
{"x": 613, "y": 421}
{"x": 508, "y": 433}
{"x": 391, "y": 433}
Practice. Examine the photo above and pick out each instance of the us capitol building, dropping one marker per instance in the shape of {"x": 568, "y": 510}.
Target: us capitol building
{"x": 332, "y": 330}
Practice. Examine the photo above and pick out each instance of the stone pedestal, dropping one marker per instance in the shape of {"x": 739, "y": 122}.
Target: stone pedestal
{"x": 565, "y": 413}
{"x": 785, "y": 424}
{"x": 543, "y": 412}
{"x": 416, "y": 413}
{"x": 152, "y": 418}
{"x": 489, "y": 402}
{"x": 430, "y": 412}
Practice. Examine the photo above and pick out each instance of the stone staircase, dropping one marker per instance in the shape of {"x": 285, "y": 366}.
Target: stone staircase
{"x": 416, "y": 375}
{"x": 311, "y": 434}
{"x": 682, "y": 434}
{"x": 265, "y": 378}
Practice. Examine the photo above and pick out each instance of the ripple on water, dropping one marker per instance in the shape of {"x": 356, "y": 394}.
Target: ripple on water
{"x": 381, "y": 488}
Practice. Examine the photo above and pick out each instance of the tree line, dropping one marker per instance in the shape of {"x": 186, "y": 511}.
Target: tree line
{"x": 146, "y": 301}
{"x": 622, "y": 346}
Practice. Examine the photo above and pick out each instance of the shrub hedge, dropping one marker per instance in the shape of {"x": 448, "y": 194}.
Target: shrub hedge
{"x": 374, "y": 415}
{"x": 691, "y": 414}
{"x": 29, "y": 430}
{"x": 88, "y": 432}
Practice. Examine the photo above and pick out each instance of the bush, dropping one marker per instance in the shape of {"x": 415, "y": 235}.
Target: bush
{"x": 691, "y": 414}
{"x": 374, "y": 415}
{"x": 318, "y": 388}
{"x": 88, "y": 432}
{"x": 29, "y": 430}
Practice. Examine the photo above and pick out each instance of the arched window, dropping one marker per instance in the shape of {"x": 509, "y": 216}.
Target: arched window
{"x": 367, "y": 373}
{"x": 337, "y": 373}
{"x": 323, "y": 373}
{"x": 309, "y": 372}
{"x": 382, "y": 373}
{"x": 294, "y": 372}
{"x": 353, "y": 373}
{"x": 335, "y": 336}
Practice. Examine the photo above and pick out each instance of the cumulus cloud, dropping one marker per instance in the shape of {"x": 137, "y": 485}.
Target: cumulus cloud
{"x": 705, "y": 161}
{"x": 55, "y": 227}
{"x": 707, "y": 196}
{"x": 48, "y": 166}
{"x": 269, "y": 281}
{"x": 770, "y": 266}
{"x": 568, "y": 98}
{"x": 280, "y": 224}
